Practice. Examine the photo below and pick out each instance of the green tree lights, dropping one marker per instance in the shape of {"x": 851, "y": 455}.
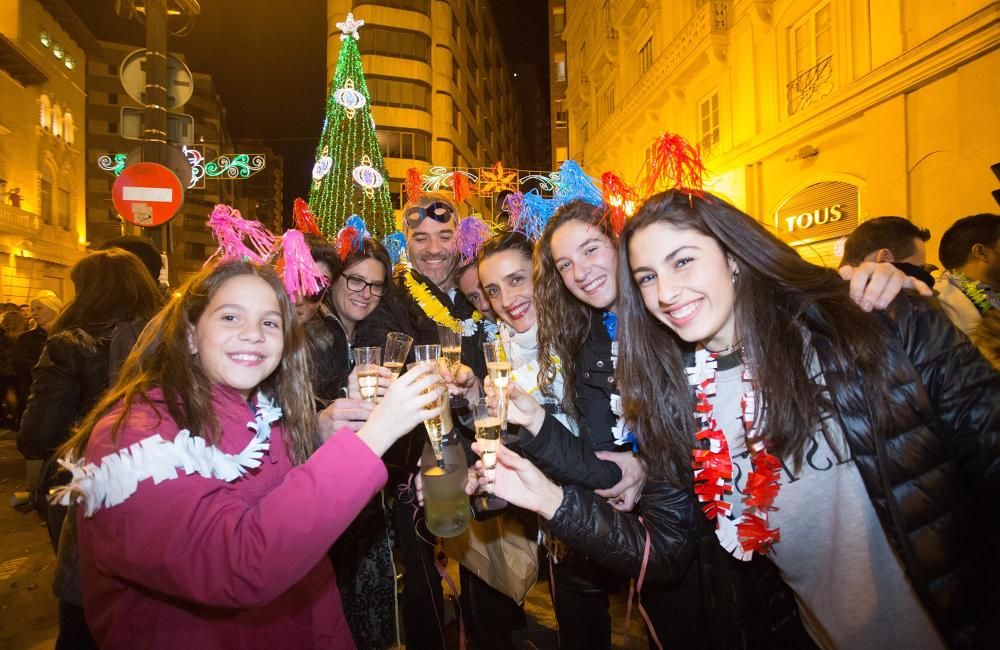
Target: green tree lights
{"x": 349, "y": 175}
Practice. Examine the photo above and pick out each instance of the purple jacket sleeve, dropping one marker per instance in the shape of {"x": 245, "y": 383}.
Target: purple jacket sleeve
{"x": 201, "y": 540}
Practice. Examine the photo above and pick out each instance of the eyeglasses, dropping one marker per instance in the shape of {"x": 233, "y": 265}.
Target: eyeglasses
{"x": 357, "y": 285}
{"x": 440, "y": 212}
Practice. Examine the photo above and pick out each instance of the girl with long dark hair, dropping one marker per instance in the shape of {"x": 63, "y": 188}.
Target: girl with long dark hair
{"x": 855, "y": 453}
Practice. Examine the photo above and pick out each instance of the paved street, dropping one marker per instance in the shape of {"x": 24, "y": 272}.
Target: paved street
{"x": 28, "y": 619}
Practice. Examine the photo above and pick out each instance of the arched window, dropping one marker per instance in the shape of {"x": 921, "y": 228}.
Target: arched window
{"x": 63, "y": 198}
{"x": 45, "y": 194}
{"x": 45, "y": 112}
{"x": 68, "y": 127}
{"x": 57, "y": 124}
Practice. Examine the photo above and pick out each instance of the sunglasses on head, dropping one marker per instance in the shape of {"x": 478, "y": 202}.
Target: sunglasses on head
{"x": 316, "y": 296}
{"x": 440, "y": 212}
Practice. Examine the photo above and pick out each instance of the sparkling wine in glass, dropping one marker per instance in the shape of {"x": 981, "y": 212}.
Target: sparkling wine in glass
{"x": 397, "y": 346}
{"x": 431, "y": 354}
{"x": 367, "y": 362}
{"x": 488, "y": 437}
{"x": 451, "y": 348}
{"x": 498, "y": 365}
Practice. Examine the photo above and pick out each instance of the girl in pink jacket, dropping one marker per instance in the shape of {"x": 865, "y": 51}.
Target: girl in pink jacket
{"x": 206, "y": 499}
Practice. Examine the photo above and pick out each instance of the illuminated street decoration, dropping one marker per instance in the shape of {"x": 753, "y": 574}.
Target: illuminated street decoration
{"x": 350, "y": 99}
{"x": 489, "y": 181}
{"x": 235, "y": 165}
{"x": 367, "y": 176}
{"x": 349, "y": 175}
{"x": 113, "y": 163}
{"x": 322, "y": 167}
{"x": 496, "y": 180}
{"x": 197, "y": 161}
{"x": 350, "y": 27}
{"x": 228, "y": 167}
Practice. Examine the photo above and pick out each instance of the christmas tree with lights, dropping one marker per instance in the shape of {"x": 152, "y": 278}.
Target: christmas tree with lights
{"x": 349, "y": 175}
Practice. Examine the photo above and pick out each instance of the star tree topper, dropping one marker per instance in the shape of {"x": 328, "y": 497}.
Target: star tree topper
{"x": 350, "y": 27}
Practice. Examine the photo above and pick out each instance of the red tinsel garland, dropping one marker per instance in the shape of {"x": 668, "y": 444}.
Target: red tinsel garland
{"x": 460, "y": 187}
{"x": 677, "y": 162}
{"x": 413, "y": 185}
{"x": 713, "y": 467}
{"x": 618, "y": 197}
{"x": 303, "y": 217}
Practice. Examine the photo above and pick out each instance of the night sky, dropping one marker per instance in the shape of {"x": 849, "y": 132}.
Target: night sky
{"x": 269, "y": 66}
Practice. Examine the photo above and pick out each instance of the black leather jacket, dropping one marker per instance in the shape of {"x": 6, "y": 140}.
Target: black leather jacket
{"x": 934, "y": 481}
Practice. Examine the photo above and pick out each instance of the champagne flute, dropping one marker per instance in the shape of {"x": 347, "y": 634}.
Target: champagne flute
{"x": 451, "y": 348}
{"x": 367, "y": 362}
{"x": 498, "y": 364}
{"x": 488, "y": 439}
{"x": 397, "y": 346}
{"x": 431, "y": 354}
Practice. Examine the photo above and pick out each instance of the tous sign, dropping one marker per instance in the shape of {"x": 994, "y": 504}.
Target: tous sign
{"x": 818, "y": 217}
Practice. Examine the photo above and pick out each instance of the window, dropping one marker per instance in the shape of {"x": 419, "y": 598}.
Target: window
{"x": 45, "y": 112}
{"x": 45, "y": 38}
{"x": 112, "y": 98}
{"x": 470, "y": 60}
{"x": 708, "y": 113}
{"x": 399, "y": 43}
{"x": 473, "y": 104}
{"x": 812, "y": 39}
{"x": 454, "y": 113}
{"x": 45, "y": 200}
{"x": 646, "y": 56}
{"x": 560, "y": 62}
{"x": 454, "y": 27}
{"x": 404, "y": 93}
{"x": 454, "y": 70}
{"x": 195, "y": 251}
{"x": 562, "y": 115}
{"x": 811, "y": 44}
{"x": 57, "y": 121}
{"x": 422, "y": 6}
{"x": 398, "y": 143}
{"x": 63, "y": 205}
{"x": 608, "y": 103}
{"x": 562, "y": 153}
{"x": 473, "y": 140}
{"x": 558, "y": 19}
{"x": 68, "y": 128}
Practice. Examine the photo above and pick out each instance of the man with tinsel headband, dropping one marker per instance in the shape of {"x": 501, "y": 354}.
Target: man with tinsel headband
{"x": 428, "y": 298}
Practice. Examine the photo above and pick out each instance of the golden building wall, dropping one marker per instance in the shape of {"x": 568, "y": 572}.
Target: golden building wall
{"x": 897, "y": 97}
{"x": 41, "y": 155}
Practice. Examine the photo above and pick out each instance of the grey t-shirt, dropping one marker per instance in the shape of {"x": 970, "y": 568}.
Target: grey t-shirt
{"x": 833, "y": 553}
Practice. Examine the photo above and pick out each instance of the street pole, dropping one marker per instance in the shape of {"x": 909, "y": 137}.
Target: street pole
{"x": 154, "y": 140}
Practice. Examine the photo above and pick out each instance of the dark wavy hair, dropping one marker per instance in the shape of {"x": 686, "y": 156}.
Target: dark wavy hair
{"x": 162, "y": 359}
{"x": 784, "y": 308}
{"x": 110, "y": 285}
{"x": 563, "y": 321}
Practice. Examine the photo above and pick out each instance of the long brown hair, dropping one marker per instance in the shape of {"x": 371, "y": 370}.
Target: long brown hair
{"x": 162, "y": 359}
{"x": 784, "y": 308}
{"x": 110, "y": 285}
{"x": 563, "y": 321}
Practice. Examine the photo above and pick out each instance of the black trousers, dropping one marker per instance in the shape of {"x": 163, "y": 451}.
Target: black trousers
{"x": 581, "y": 605}
{"x": 488, "y": 614}
{"x": 73, "y": 631}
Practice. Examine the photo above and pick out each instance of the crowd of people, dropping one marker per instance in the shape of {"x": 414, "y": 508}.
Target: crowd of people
{"x": 777, "y": 454}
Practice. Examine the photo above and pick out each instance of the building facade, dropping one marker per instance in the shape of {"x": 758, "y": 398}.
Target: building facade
{"x": 441, "y": 91}
{"x": 559, "y": 117}
{"x": 44, "y": 50}
{"x": 812, "y": 115}
{"x": 189, "y": 242}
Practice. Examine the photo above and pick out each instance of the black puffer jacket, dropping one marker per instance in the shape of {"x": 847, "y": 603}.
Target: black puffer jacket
{"x": 934, "y": 482}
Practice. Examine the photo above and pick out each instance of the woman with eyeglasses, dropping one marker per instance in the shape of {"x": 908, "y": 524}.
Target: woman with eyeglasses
{"x": 361, "y": 557}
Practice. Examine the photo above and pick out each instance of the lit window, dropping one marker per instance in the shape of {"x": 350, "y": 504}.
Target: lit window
{"x": 68, "y": 127}
{"x": 57, "y": 50}
{"x": 560, "y": 61}
{"x": 812, "y": 39}
{"x": 708, "y": 113}
{"x": 558, "y": 19}
{"x": 57, "y": 124}
{"x": 45, "y": 38}
{"x": 70, "y": 63}
{"x": 45, "y": 112}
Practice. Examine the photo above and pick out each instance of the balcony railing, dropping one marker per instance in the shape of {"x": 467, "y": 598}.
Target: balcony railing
{"x": 18, "y": 221}
{"x": 811, "y": 86}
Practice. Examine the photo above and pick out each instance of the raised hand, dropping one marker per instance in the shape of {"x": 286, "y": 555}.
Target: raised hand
{"x": 351, "y": 413}
{"x": 875, "y": 284}
{"x": 384, "y": 381}
{"x": 522, "y": 409}
{"x": 519, "y": 482}
{"x": 411, "y": 399}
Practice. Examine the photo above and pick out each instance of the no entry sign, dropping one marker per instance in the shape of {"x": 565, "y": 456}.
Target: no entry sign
{"x": 147, "y": 194}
